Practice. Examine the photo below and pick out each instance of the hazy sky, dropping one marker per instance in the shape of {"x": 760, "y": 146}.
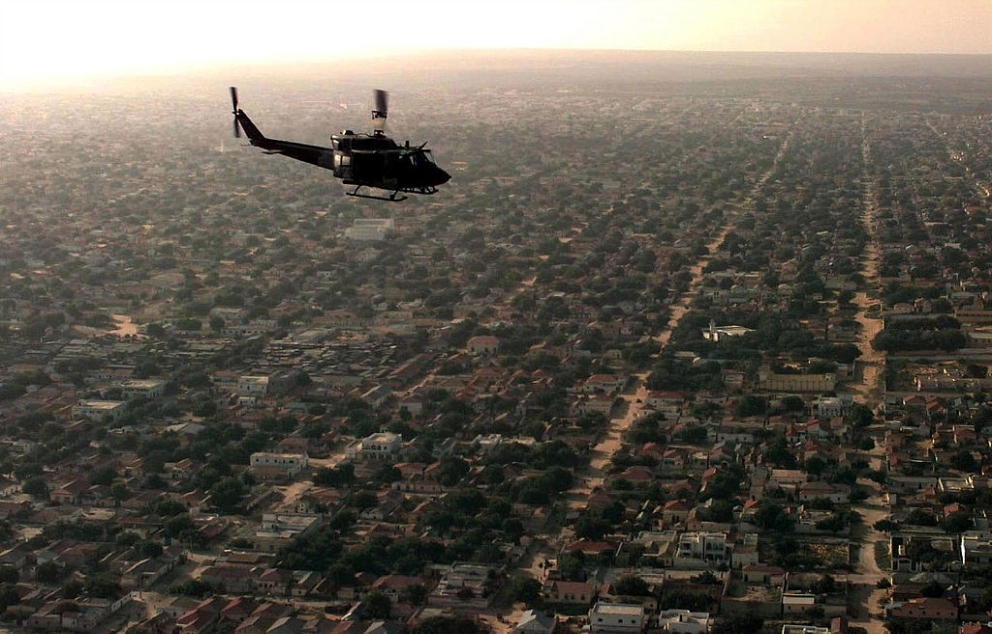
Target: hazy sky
{"x": 49, "y": 41}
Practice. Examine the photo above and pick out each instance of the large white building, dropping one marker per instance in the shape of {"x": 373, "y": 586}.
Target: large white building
{"x": 701, "y": 550}
{"x": 976, "y": 549}
{"x": 99, "y": 411}
{"x": 380, "y": 446}
{"x": 148, "y": 388}
{"x": 284, "y": 464}
{"x": 369, "y": 229}
{"x": 616, "y": 618}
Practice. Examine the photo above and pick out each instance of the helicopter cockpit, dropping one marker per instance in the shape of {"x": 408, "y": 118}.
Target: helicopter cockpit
{"x": 420, "y": 158}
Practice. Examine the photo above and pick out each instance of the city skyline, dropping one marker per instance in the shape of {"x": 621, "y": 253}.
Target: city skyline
{"x": 43, "y": 44}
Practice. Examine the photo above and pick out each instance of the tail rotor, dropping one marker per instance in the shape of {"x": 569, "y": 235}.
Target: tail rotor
{"x": 234, "y": 105}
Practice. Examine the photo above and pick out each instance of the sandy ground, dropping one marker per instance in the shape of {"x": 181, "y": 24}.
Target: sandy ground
{"x": 869, "y": 382}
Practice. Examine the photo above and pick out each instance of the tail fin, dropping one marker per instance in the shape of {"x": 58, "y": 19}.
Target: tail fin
{"x": 254, "y": 134}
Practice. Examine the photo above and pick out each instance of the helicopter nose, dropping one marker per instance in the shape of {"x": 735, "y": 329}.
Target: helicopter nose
{"x": 441, "y": 177}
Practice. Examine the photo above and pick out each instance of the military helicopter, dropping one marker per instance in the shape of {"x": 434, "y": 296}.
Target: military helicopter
{"x": 373, "y": 161}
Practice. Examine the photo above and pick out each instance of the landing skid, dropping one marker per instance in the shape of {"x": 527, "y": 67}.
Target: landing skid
{"x": 395, "y": 197}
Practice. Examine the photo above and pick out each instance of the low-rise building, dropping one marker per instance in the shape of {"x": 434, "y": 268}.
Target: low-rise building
{"x": 379, "y": 446}
{"x": 702, "y": 550}
{"x": 277, "y": 465}
{"x": 616, "y": 618}
{"x": 684, "y": 622}
{"x": 147, "y": 388}
{"x": 99, "y": 411}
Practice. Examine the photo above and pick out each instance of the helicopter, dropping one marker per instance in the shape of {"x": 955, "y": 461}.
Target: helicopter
{"x": 373, "y": 161}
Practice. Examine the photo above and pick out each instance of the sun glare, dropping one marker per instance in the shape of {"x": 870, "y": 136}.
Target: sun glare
{"x": 57, "y": 40}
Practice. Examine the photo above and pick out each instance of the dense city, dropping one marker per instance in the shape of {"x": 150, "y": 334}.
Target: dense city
{"x": 683, "y": 346}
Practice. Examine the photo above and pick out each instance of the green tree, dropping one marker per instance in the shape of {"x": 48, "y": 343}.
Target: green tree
{"x": 227, "y": 493}
{"x": 452, "y": 470}
{"x": 526, "y": 590}
{"x": 48, "y": 572}
{"x": 744, "y": 623}
{"x": 104, "y": 476}
{"x": 377, "y": 605}
{"x": 36, "y": 487}
{"x": 387, "y": 474}
{"x": 415, "y": 595}
{"x": 632, "y": 585}
{"x": 8, "y": 596}
{"x": 9, "y": 574}
{"x": 446, "y": 625}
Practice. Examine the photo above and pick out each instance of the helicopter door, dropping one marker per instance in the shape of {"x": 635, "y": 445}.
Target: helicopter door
{"x": 342, "y": 165}
{"x": 391, "y": 169}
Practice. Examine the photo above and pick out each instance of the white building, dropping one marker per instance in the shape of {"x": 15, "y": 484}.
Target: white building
{"x": 616, "y": 618}
{"x": 289, "y": 464}
{"x": 831, "y": 406}
{"x": 253, "y": 386}
{"x": 976, "y": 549}
{"x": 380, "y": 446}
{"x": 148, "y": 388}
{"x": 99, "y": 411}
{"x": 793, "y": 628}
{"x": 684, "y": 621}
{"x": 369, "y": 229}
{"x": 701, "y": 549}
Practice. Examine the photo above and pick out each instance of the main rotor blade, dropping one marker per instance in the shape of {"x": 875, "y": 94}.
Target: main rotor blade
{"x": 380, "y": 112}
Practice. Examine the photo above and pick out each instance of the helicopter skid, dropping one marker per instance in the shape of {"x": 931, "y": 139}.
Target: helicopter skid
{"x": 393, "y": 198}
{"x": 396, "y": 196}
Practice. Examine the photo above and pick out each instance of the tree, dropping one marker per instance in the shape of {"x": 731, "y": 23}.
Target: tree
{"x": 192, "y": 588}
{"x": 364, "y": 500}
{"x": 886, "y": 525}
{"x": 744, "y": 623}
{"x": 958, "y": 522}
{"x": 825, "y": 585}
{"x": 415, "y": 595}
{"x": 48, "y": 572}
{"x": 632, "y": 585}
{"x": 452, "y": 469}
{"x": 150, "y": 549}
{"x": 9, "y": 574}
{"x": 772, "y": 516}
{"x": 446, "y": 625}
{"x": 695, "y": 435}
{"x": 104, "y": 476}
{"x": 102, "y": 587}
{"x": 342, "y": 475}
{"x": 72, "y": 588}
{"x": 387, "y": 474}
{"x": 119, "y": 491}
{"x": 377, "y": 605}
{"x": 815, "y": 465}
{"x": 226, "y": 495}
{"x": 8, "y": 596}
{"x": 525, "y": 589}
{"x": 36, "y": 487}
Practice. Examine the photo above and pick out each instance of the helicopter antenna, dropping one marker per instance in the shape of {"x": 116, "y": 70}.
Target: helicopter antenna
{"x": 234, "y": 104}
{"x": 380, "y": 112}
